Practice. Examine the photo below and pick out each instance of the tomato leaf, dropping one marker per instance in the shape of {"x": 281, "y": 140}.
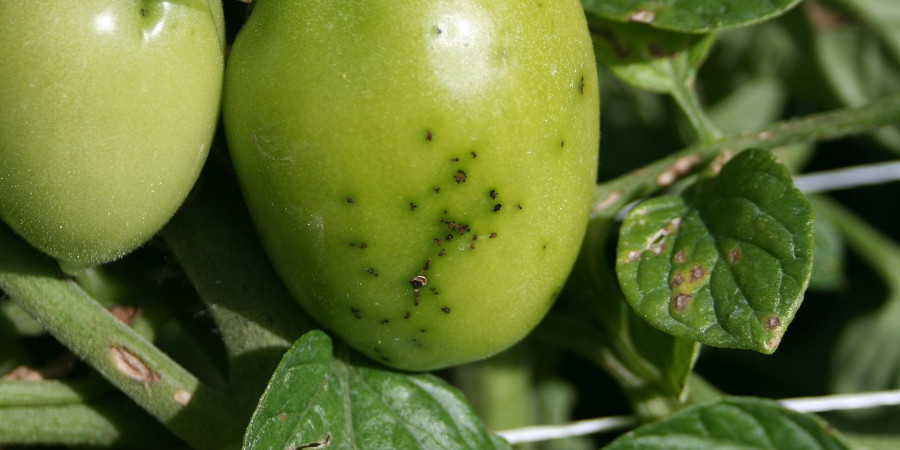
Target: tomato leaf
{"x": 725, "y": 265}
{"x": 690, "y": 16}
{"x": 735, "y": 423}
{"x": 652, "y": 59}
{"x": 316, "y": 399}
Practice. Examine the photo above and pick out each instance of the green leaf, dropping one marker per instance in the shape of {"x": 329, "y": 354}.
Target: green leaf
{"x": 315, "y": 399}
{"x": 733, "y": 423}
{"x": 726, "y": 266}
{"x": 656, "y": 60}
{"x": 690, "y": 16}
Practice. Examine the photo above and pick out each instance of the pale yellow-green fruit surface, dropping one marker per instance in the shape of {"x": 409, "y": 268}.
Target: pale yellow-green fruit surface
{"x": 420, "y": 171}
{"x": 107, "y": 111}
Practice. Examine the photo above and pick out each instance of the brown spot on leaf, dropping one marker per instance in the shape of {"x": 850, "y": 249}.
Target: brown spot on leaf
{"x": 642, "y": 16}
{"x": 324, "y": 442}
{"x": 355, "y": 313}
{"x": 437, "y": 190}
{"x": 371, "y": 271}
{"x": 413, "y": 206}
{"x": 681, "y": 302}
{"x": 734, "y": 255}
{"x": 446, "y": 310}
{"x": 460, "y": 177}
{"x": 772, "y": 323}
{"x": 350, "y": 199}
{"x": 407, "y": 315}
{"x": 385, "y": 321}
{"x": 697, "y": 273}
{"x": 428, "y": 136}
{"x": 676, "y": 280}
{"x": 680, "y": 257}
{"x": 492, "y": 236}
{"x": 497, "y": 207}
{"x": 493, "y": 194}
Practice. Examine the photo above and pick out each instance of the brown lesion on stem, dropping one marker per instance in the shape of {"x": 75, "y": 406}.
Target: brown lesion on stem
{"x": 131, "y": 365}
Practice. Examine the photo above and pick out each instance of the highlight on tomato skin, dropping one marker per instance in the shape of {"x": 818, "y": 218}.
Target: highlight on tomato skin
{"x": 106, "y": 118}
{"x": 419, "y": 172}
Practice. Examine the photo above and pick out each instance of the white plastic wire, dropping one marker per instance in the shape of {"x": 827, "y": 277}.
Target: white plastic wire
{"x": 840, "y": 402}
{"x": 849, "y": 177}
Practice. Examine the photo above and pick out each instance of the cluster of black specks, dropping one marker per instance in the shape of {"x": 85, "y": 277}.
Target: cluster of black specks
{"x": 371, "y": 271}
{"x": 359, "y": 245}
{"x": 581, "y": 86}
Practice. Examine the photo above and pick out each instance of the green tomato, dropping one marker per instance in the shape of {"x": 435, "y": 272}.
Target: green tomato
{"x": 420, "y": 171}
{"x": 107, "y": 111}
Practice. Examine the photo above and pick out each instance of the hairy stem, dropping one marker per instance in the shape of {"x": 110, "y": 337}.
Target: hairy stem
{"x": 128, "y": 361}
{"x": 613, "y": 195}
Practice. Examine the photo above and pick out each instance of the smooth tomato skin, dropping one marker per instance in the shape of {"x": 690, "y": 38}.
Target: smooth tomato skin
{"x": 107, "y": 112}
{"x": 420, "y": 171}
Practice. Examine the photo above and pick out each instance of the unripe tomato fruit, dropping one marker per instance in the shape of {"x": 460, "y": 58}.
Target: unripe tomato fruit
{"x": 107, "y": 110}
{"x": 420, "y": 171}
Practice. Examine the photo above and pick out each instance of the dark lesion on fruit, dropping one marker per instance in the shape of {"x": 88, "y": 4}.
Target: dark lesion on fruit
{"x": 445, "y": 310}
{"x": 581, "y": 86}
{"x": 413, "y": 206}
{"x": 460, "y": 176}
{"x": 350, "y": 200}
{"x": 493, "y": 194}
{"x": 497, "y": 207}
{"x": 429, "y": 136}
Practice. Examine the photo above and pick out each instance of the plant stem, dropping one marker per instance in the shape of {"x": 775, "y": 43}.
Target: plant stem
{"x": 686, "y": 97}
{"x": 131, "y": 363}
{"x": 16, "y": 393}
{"x": 611, "y": 196}
{"x": 114, "y": 421}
